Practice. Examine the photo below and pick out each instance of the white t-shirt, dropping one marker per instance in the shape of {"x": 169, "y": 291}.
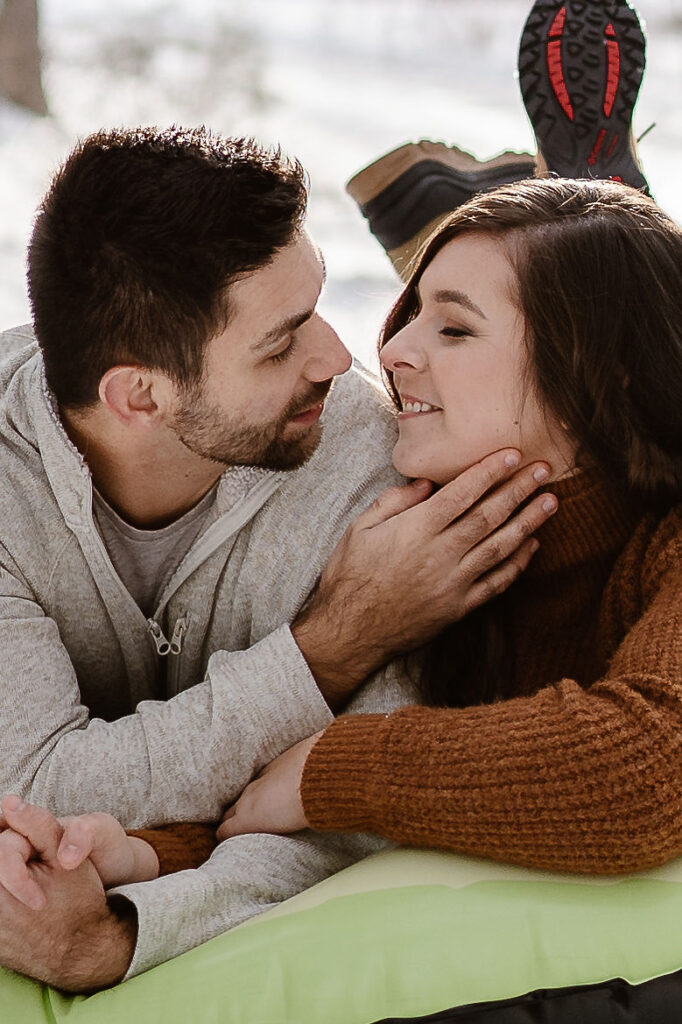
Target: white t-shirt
{"x": 146, "y": 559}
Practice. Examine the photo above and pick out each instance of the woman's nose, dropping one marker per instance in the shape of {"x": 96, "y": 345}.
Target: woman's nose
{"x": 403, "y": 350}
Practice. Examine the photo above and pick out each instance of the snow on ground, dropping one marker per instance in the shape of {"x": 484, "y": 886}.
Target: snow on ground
{"x": 337, "y": 82}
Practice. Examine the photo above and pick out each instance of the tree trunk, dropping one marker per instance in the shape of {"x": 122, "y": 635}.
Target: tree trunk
{"x": 20, "y": 55}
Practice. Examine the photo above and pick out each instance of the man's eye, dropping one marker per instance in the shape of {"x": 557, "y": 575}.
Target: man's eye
{"x": 284, "y": 353}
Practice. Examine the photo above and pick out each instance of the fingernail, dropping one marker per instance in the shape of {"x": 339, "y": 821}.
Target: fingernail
{"x": 14, "y": 803}
{"x": 550, "y": 504}
{"x": 540, "y": 474}
{"x": 534, "y": 545}
{"x": 512, "y": 459}
{"x": 69, "y": 851}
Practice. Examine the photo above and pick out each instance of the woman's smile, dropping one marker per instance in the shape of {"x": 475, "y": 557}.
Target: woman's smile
{"x": 413, "y": 407}
{"x": 460, "y": 366}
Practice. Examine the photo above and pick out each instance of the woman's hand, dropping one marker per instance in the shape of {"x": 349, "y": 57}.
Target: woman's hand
{"x": 411, "y": 564}
{"x": 117, "y": 857}
{"x": 272, "y": 802}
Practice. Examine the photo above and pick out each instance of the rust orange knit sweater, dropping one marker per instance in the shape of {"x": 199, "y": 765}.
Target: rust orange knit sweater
{"x": 585, "y": 773}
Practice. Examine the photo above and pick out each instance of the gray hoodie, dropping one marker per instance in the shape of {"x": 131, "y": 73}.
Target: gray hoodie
{"x": 166, "y": 719}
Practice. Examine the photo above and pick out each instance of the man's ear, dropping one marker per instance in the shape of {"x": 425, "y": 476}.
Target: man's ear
{"x": 136, "y": 396}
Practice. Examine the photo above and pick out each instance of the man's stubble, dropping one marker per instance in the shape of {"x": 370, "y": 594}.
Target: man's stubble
{"x": 207, "y": 431}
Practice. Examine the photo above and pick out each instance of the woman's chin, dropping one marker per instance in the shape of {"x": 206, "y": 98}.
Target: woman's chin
{"x": 414, "y": 468}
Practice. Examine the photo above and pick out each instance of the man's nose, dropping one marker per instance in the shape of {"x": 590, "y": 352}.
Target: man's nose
{"x": 329, "y": 356}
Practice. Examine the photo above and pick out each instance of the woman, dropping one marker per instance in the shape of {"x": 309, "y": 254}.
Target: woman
{"x": 546, "y": 315}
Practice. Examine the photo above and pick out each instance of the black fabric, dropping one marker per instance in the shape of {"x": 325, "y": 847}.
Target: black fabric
{"x": 614, "y": 1002}
{"x": 425, "y": 191}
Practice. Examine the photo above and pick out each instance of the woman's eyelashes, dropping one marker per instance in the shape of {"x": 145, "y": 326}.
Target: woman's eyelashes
{"x": 454, "y": 332}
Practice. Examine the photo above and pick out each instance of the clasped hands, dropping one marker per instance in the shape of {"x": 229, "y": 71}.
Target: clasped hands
{"x": 56, "y": 924}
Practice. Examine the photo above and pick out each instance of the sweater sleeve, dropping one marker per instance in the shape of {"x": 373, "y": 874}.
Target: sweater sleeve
{"x": 180, "y": 846}
{"x": 245, "y": 874}
{"x": 569, "y": 779}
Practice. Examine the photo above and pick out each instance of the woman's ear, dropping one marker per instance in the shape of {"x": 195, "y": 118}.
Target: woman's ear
{"x": 135, "y": 395}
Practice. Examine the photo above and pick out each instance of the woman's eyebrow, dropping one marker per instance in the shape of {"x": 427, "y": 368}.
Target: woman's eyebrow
{"x": 461, "y": 298}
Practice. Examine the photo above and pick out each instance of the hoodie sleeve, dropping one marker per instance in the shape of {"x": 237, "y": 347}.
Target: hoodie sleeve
{"x": 246, "y": 875}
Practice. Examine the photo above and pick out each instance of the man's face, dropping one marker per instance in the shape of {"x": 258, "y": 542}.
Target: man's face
{"x": 267, "y": 375}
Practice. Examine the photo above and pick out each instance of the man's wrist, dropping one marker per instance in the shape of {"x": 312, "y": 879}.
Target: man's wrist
{"x": 101, "y": 955}
{"x": 330, "y": 668}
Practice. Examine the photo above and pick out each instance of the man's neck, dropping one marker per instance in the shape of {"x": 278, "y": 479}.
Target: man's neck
{"x": 150, "y": 478}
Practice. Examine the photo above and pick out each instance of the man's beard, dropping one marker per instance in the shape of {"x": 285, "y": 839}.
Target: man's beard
{"x": 207, "y": 431}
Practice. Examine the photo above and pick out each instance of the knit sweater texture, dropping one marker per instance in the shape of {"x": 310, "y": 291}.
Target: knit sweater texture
{"x": 97, "y": 712}
{"x": 584, "y": 772}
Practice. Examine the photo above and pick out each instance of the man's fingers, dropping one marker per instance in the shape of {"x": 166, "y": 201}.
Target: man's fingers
{"x": 500, "y": 579}
{"x": 77, "y": 842}
{"x": 392, "y": 502}
{"x": 500, "y": 545}
{"x": 15, "y": 853}
{"x": 498, "y": 506}
{"x": 40, "y": 827}
{"x": 458, "y": 496}
{"x": 94, "y": 835}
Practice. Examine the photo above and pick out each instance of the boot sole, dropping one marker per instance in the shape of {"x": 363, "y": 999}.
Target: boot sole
{"x": 373, "y": 179}
{"x": 430, "y": 189}
{"x": 580, "y": 69}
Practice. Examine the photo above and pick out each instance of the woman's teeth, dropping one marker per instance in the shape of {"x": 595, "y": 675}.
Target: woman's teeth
{"x": 419, "y": 407}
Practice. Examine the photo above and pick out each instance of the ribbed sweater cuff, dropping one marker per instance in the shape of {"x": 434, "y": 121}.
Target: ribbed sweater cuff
{"x": 180, "y": 846}
{"x": 337, "y": 781}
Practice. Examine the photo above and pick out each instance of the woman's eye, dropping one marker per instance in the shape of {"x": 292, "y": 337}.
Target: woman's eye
{"x": 454, "y": 332}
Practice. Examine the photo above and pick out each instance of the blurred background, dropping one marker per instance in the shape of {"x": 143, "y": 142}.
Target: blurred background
{"x": 336, "y": 82}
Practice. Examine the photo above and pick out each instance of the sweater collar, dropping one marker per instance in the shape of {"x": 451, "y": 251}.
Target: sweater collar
{"x": 593, "y": 521}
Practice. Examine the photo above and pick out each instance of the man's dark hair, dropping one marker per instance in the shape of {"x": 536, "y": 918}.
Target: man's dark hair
{"x": 136, "y": 242}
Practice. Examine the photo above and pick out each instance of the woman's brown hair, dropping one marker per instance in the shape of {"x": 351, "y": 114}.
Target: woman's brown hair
{"x": 599, "y": 277}
{"x": 599, "y": 272}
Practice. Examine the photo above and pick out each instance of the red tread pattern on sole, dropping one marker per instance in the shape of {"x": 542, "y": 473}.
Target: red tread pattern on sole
{"x": 592, "y": 158}
{"x": 580, "y": 69}
{"x": 614, "y": 143}
{"x": 613, "y": 69}
{"x": 554, "y": 63}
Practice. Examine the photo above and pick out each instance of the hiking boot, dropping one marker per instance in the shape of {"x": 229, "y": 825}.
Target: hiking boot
{"x": 580, "y": 68}
{"x": 408, "y": 192}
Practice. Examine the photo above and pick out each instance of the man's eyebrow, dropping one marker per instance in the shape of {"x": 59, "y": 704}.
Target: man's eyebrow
{"x": 461, "y": 299}
{"x": 292, "y": 323}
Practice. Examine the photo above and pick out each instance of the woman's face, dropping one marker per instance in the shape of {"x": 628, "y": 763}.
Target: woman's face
{"x": 460, "y": 369}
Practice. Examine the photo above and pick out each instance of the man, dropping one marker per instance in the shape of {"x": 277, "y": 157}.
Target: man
{"x": 168, "y": 503}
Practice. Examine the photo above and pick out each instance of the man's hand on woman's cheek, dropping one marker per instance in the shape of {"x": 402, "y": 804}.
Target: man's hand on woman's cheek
{"x": 413, "y": 563}
{"x": 272, "y": 802}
